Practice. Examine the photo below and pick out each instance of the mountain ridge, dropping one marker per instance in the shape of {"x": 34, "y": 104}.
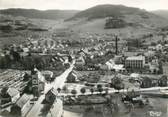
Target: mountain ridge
{"x": 134, "y": 20}
{"x": 39, "y": 14}
{"x": 106, "y": 10}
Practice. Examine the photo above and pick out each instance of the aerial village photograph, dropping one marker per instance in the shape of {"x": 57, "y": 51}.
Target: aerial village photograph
{"x": 83, "y": 58}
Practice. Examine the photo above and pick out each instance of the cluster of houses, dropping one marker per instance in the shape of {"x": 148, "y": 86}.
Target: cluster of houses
{"x": 148, "y": 82}
{"x": 120, "y": 63}
{"x": 141, "y": 60}
{"x": 19, "y": 102}
{"x": 16, "y": 103}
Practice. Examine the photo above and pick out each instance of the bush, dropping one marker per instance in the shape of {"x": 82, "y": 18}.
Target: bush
{"x": 74, "y": 92}
{"x": 83, "y": 90}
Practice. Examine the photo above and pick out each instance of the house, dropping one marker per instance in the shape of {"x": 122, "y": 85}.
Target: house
{"x": 154, "y": 68}
{"x": 22, "y": 106}
{"x": 80, "y": 61}
{"x": 149, "y": 56}
{"x": 162, "y": 82}
{"x": 47, "y": 74}
{"x": 146, "y": 83}
{"x": 66, "y": 59}
{"x": 159, "y": 47}
{"x": 50, "y": 96}
{"x": 82, "y": 52}
{"x": 72, "y": 77}
{"x": 152, "y": 48}
{"x": 25, "y": 50}
{"x": 118, "y": 59}
{"x": 135, "y": 62}
{"x": 114, "y": 67}
{"x": 103, "y": 67}
{"x": 110, "y": 64}
{"x": 9, "y": 95}
{"x": 149, "y": 53}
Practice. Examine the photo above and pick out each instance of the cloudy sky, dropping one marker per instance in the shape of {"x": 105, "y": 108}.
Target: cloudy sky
{"x": 81, "y": 4}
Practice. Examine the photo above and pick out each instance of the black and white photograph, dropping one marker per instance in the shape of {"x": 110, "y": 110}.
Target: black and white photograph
{"x": 83, "y": 58}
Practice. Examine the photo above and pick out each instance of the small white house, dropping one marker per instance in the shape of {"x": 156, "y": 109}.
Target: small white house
{"x": 11, "y": 96}
{"x": 159, "y": 47}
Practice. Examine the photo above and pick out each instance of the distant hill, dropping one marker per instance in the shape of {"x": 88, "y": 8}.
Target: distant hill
{"x": 137, "y": 21}
{"x": 162, "y": 13}
{"x": 102, "y": 11}
{"x": 47, "y": 14}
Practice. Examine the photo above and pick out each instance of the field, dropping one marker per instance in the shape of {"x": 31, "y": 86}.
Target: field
{"x": 157, "y": 106}
{"x": 139, "y": 28}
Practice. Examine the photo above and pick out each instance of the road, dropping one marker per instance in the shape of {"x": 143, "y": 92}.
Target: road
{"x": 58, "y": 83}
{"x": 112, "y": 91}
{"x": 36, "y": 110}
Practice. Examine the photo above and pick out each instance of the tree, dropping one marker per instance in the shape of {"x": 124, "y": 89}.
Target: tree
{"x": 119, "y": 86}
{"x": 92, "y": 90}
{"x": 160, "y": 68}
{"x": 83, "y": 90}
{"x": 150, "y": 36}
{"x": 6, "y": 28}
{"x": 153, "y": 44}
{"x": 59, "y": 90}
{"x": 116, "y": 83}
{"x": 2, "y": 63}
{"x": 100, "y": 90}
{"x": 4, "y": 90}
{"x": 64, "y": 88}
{"x": 99, "y": 87}
{"x": 70, "y": 58}
{"x": 74, "y": 92}
{"x": 26, "y": 77}
{"x": 16, "y": 56}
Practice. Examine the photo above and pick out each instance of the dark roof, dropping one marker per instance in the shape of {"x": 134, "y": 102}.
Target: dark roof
{"x": 72, "y": 74}
{"x": 53, "y": 91}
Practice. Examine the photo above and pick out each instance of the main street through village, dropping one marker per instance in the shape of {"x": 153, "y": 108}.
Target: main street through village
{"x": 58, "y": 83}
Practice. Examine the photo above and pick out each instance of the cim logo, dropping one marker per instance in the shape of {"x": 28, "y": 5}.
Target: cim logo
{"x": 155, "y": 113}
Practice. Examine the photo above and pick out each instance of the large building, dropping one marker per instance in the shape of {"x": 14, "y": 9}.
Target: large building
{"x": 22, "y": 106}
{"x": 135, "y": 62}
{"x": 37, "y": 82}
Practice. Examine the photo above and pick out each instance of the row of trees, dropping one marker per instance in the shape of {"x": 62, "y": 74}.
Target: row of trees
{"x": 116, "y": 83}
{"x": 83, "y": 90}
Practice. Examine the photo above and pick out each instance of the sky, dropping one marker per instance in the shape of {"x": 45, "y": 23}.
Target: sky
{"x": 81, "y": 4}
